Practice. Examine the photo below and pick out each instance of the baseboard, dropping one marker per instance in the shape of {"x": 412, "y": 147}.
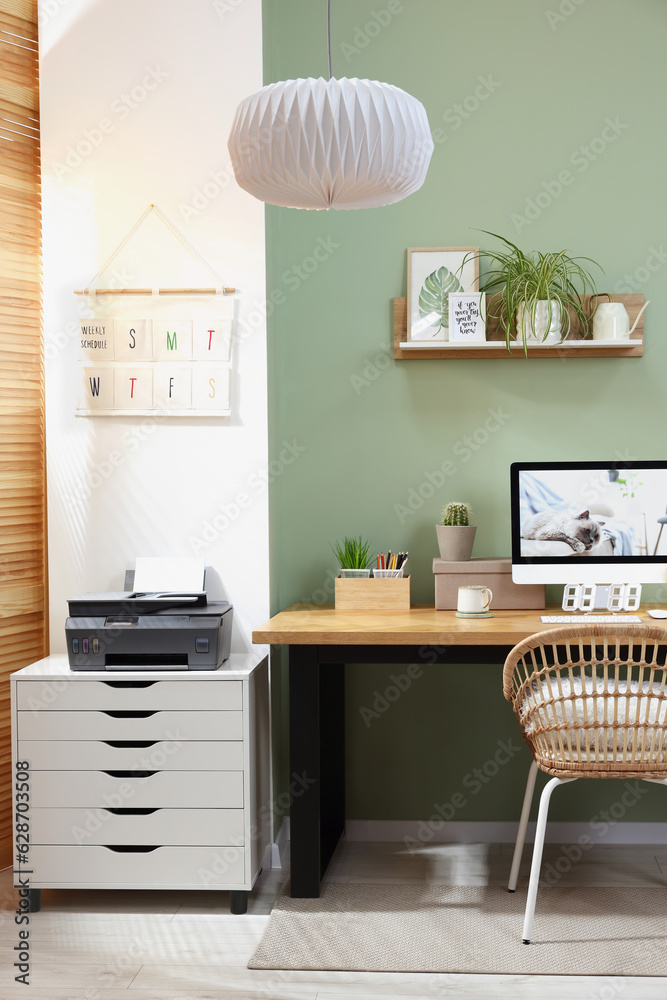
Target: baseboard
{"x": 460, "y": 832}
{"x": 280, "y": 846}
{"x": 267, "y": 860}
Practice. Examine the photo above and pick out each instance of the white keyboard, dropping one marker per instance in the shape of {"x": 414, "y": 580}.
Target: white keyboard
{"x": 578, "y": 619}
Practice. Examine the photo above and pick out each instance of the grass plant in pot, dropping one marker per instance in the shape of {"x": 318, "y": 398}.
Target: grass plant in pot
{"x": 456, "y": 534}
{"x": 354, "y": 556}
{"x": 538, "y": 294}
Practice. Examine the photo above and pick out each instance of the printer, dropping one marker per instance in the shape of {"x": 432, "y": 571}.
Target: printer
{"x": 128, "y": 630}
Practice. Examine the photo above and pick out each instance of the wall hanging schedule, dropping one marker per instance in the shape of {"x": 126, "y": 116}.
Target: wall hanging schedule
{"x": 142, "y": 365}
{"x": 156, "y": 350}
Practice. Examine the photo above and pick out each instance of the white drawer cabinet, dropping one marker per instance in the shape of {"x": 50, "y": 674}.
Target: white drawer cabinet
{"x": 153, "y": 827}
{"x": 152, "y": 790}
{"x": 115, "y": 695}
{"x": 163, "y": 755}
{"x": 130, "y": 726}
{"x": 144, "y": 779}
{"x": 160, "y": 868}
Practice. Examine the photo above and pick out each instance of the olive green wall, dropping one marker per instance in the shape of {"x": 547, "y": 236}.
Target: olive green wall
{"x": 516, "y": 93}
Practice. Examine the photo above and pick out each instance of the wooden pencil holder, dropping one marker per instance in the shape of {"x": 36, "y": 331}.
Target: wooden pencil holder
{"x": 372, "y": 594}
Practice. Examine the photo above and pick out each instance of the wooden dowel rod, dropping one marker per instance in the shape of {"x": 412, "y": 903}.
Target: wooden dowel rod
{"x": 149, "y": 291}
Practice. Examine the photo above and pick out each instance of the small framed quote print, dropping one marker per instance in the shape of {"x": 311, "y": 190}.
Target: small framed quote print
{"x": 434, "y": 273}
{"x": 467, "y": 317}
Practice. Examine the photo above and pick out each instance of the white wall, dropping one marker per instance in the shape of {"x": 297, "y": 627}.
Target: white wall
{"x": 137, "y": 102}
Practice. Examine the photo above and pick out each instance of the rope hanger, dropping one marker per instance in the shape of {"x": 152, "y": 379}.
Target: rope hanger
{"x": 219, "y": 289}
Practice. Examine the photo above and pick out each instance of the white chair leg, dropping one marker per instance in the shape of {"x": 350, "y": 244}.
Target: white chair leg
{"x": 537, "y": 854}
{"x": 523, "y": 824}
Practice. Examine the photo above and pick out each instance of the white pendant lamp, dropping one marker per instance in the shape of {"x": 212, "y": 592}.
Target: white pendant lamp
{"x": 330, "y": 143}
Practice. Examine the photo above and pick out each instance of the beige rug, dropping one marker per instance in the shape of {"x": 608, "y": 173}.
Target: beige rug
{"x": 414, "y": 927}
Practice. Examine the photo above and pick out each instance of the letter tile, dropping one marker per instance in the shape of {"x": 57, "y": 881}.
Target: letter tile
{"x": 172, "y": 387}
{"x": 133, "y": 339}
{"x": 172, "y": 341}
{"x": 211, "y": 388}
{"x": 213, "y": 340}
{"x": 134, "y": 389}
{"x": 96, "y": 339}
{"x": 98, "y": 389}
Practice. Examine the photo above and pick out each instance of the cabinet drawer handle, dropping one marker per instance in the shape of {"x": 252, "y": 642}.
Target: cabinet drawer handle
{"x": 131, "y": 848}
{"x": 129, "y": 684}
{"x": 130, "y": 744}
{"x": 129, "y": 715}
{"x": 130, "y": 774}
{"x": 131, "y": 812}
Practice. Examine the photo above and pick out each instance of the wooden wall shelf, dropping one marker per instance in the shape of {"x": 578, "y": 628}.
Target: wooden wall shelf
{"x": 494, "y": 346}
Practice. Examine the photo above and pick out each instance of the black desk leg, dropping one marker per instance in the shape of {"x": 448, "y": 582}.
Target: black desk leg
{"x": 304, "y": 696}
{"x": 332, "y": 759}
{"x": 317, "y": 760}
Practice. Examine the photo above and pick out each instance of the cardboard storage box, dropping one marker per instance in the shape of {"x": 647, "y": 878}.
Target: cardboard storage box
{"x": 373, "y": 594}
{"x": 496, "y": 574}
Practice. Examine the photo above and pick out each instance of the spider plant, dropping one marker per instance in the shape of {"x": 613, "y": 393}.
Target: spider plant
{"x": 527, "y": 280}
{"x": 352, "y": 553}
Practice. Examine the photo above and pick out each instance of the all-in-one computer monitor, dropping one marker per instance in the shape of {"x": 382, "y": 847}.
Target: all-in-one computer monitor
{"x": 589, "y": 522}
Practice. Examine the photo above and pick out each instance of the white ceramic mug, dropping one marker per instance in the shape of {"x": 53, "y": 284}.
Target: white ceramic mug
{"x": 474, "y": 600}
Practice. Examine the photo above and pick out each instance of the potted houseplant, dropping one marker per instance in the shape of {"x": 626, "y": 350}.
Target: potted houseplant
{"x": 353, "y": 588}
{"x": 456, "y": 534}
{"x": 354, "y": 556}
{"x": 630, "y": 487}
{"x": 537, "y": 293}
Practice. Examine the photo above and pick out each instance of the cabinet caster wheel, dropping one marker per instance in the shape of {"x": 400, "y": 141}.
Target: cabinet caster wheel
{"x": 34, "y": 900}
{"x": 238, "y": 901}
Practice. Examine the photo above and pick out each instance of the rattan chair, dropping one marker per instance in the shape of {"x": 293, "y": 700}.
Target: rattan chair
{"x": 591, "y": 701}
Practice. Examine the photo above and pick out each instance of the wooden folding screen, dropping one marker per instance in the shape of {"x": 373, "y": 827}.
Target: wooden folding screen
{"x": 23, "y": 606}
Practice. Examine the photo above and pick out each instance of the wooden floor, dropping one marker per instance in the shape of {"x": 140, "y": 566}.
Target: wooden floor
{"x": 125, "y": 945}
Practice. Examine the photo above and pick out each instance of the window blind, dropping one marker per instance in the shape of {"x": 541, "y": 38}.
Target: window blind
{"x": 23, "y": 607}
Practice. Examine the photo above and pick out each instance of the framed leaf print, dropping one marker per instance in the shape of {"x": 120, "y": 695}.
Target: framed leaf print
{"x": 434, "y": 272}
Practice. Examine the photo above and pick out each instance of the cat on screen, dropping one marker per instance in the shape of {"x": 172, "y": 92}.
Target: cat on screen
{"x": 579, "y": 531}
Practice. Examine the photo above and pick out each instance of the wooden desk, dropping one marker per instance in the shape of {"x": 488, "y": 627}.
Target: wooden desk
{"x": 321, "y": 641}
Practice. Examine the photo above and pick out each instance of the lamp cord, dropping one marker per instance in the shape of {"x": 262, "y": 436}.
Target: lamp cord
{"x": 329, "y": 34}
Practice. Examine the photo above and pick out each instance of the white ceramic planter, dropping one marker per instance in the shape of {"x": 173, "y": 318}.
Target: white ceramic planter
{"x": 543, "y": 333}
{"x": 455, "y": 541}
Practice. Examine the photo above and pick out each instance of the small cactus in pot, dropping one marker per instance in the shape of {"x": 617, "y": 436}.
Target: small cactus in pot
{"x": 455, "y": 533}
{"x": 457, "y": 513}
